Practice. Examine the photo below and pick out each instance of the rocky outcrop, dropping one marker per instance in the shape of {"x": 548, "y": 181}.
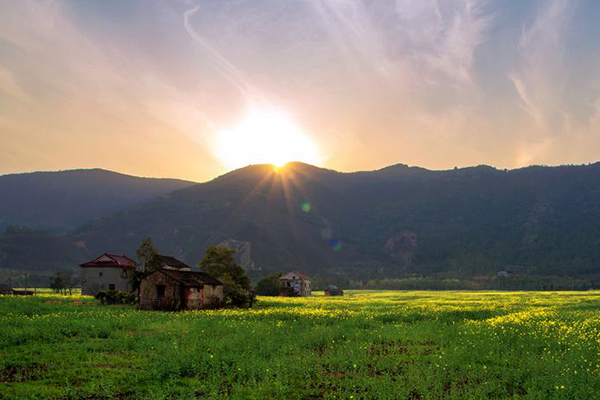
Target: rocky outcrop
{"x": 243, "y": 253}
{"x": 402, "y": 247}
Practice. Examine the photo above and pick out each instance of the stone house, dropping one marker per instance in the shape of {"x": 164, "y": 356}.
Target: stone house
{"x": 295, "y": 283}
{"x": 5, "y": 289}
{"x": 174, "y": 286}
{"x": 107, "y": 272}
{"x": 333, "y": 290}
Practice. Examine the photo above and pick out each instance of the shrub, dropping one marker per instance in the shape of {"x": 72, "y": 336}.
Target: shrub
{"x": 115, "y": 297}
{"x": 269, "y": 285}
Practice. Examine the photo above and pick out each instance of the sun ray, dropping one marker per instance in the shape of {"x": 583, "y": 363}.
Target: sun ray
{"x": 265, "y": 136}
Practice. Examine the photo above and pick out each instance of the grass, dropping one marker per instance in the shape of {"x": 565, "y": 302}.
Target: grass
{"x": 366, "y": 345}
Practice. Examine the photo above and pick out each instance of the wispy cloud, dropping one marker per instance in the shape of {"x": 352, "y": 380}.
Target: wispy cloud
{"x": 542, "y": 86}
{"x": 436, "y": 83}
{"x": 407, "y": 39}
{"x": 541, "y": 48}
{"x": 227, "y": 70}
{"x": 10, "y": 87}
{"x": 445, "y": 40}
{"x": 88, "y": 98}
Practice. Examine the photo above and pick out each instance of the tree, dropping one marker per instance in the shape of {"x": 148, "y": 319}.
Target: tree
{"x": 146, "y": 255}
{"x": 219, "y": 262}
{"x": 57, "y": 282}
{"x": 62, "y": 282}
{"x": 269, "y": 285}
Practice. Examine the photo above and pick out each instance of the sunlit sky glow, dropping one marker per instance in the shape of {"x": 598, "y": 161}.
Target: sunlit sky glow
{"x": 192, "y": 88}
{"x": 264, "y": 136}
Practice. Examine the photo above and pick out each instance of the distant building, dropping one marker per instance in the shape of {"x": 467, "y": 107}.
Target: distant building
{"x": 510, "y": 271}
{"x": 107, "y": 272}
{"x": 174, "y": 286}
{"x": 295, "y": 283}
{"x": 5, "y": 289}
{"x": 333, "y": 290}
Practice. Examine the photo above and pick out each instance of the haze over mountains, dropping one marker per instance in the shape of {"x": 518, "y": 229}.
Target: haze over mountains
{"x": 64, "y": 200}
{"x": 391, "y": 222}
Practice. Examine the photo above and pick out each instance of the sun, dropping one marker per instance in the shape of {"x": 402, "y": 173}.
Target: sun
{"x": 265, "y": 137}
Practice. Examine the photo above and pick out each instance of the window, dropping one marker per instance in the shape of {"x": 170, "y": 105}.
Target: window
{"x": 124, "y": 273}
{"x": 99, "y": 273}
{"x": 160, "y": 291}
{"x": 111, "y": 286}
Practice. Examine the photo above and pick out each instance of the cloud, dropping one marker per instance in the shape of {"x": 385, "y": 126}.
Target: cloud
{"x": 406, "y": 39}
{"x": 541, "y": 48}
{"x": 415, "y": 81}
{"x": 225, "y": 68}
{"x": 445, "y": 41}
{"x": 10, "y": 87}
{"x": 552, "y": 134}
{"x": 91, "y": 100}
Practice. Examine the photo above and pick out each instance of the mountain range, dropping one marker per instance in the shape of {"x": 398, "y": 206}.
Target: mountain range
{"x": 391, "y": 222}
{"x": 64, "y": 200}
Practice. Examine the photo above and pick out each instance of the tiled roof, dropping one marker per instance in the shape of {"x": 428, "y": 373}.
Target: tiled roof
{"x": 123, "y": 260}
{"x": 114, "y": 260}
{"x": 191, "y": 278}
{"x": 172, "y": 262}
{"x": 300, "y": 275}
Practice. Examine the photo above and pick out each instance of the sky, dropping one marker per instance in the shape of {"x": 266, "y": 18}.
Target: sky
{"x": 192, "y": 88}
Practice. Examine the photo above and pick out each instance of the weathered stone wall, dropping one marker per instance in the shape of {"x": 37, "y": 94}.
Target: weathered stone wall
{"x": 206, "y": 297}
{"x": 149, "y": 298}
{"x": 177, "y": 296}
{"x": 212, "y": 296}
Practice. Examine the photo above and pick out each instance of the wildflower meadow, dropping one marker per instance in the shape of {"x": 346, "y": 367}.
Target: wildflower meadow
{"x": 365, "y": 345}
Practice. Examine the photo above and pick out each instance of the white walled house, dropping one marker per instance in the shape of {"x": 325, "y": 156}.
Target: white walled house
{"x": 295, "y": 283}
{"x": 107, "y": 272}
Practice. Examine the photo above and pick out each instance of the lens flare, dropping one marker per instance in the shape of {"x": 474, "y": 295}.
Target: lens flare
{"x": 335, "y": 244}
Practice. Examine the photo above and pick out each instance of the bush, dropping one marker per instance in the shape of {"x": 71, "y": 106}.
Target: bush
{"x": 289, "y": 292}
{"x": 269, "y": 285}
{"x": 115, "y": 297}
{"x": 219, "y": 262}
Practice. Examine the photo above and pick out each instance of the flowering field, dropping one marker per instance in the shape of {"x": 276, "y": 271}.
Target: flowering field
{"x": 366, "y": 345}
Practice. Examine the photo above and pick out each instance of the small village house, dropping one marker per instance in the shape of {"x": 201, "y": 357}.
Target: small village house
{"x": 5, "y": 289}
{"x": 107, "y": 272}
{"x": 333, "y": 290}
{"x": 174, "y": 286}
{"x": 295, "y": 283}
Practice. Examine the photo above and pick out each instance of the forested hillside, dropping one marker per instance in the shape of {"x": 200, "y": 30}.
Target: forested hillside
{"x": 61, "y": 201}
{"x": 392, "y": 222}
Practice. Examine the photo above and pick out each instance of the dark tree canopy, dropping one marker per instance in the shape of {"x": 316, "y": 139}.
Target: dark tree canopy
{"x": 146, "y": 255}
{"x": 269, "y": 285}
{"x": 63, "y": 282}
{"x": 219, "y": 262}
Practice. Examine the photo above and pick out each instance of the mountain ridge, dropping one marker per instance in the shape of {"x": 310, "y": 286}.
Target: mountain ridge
{"x": 340, "y": 203}
{"x": 63, "y": 200}
{"x": 394, "y": 221}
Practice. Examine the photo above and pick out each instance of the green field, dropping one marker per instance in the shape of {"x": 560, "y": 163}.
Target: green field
{"x": 366, "y": 345}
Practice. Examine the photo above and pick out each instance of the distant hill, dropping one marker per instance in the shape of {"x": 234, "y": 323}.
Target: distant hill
{"x": 391, "y": 222}
{"x": 64, "y": 200}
